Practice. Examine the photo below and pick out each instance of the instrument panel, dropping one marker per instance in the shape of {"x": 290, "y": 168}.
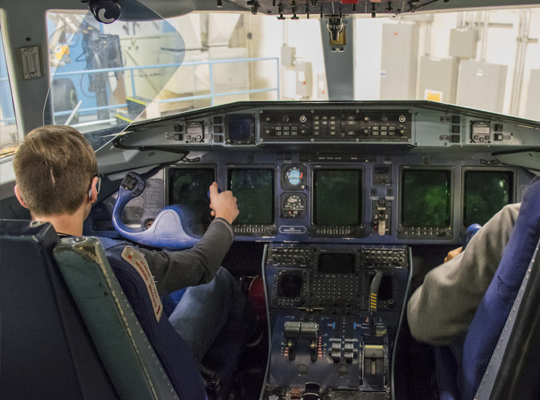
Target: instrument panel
{"x": 400, "y": 172}
{"x": 335, "y": 313}
{"x": 308, "y": 197}
{"x": 314, "y": 125}
{"x": 337, "y": 191}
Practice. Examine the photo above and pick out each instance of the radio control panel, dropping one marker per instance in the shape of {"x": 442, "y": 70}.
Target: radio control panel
{"x": 353, "y": 125}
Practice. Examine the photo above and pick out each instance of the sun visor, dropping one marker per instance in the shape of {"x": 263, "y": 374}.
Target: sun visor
{"x": 108, "y": 76}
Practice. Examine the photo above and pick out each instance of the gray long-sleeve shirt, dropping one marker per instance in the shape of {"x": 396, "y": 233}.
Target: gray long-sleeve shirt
{"x": 442, "y": 308}
{"x": 179, "y": 269}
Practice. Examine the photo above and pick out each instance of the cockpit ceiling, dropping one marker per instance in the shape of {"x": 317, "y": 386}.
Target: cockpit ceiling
{"x": 374, "y": 7}
{"x": 313, "y": 8}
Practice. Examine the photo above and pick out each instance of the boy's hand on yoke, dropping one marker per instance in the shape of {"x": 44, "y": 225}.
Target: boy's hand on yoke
{"x": 223, "y": 204}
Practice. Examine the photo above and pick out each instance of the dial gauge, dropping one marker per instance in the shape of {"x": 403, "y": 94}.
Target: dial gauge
{"x": 294, "y": 205}
{"x": 295, "y": 177}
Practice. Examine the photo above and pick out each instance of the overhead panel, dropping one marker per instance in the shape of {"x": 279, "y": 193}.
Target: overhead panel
{"x": 314, "y": 7}
{"x": 327, "y": 7}
{"x": 132, "y": 10}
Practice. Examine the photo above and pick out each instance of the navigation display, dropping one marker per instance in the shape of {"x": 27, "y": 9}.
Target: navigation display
{"x": 338, "y": 197}
{"x": 336, "y": 263}
{"x": 426, "y": 198}
{"x": 189, "y": 187}
{"x": 486, "y": 192}
{"x": 254, "y": 191}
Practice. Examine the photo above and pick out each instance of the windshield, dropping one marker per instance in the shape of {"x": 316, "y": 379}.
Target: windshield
{"x": 107, "y": 76}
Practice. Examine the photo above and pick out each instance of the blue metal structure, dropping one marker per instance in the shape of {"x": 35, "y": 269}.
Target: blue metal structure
{"x": 212, "y": 95}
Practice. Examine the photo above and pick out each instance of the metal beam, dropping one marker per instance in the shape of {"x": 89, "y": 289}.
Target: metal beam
{"x": 339, "y": 62}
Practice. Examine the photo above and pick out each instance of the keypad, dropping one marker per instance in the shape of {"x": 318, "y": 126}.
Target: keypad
{"x": 377, "y": 256}
{"x": 335, "y": 288}
{"x": 294, "y": 256}
{"x": 425, "y": 232}
{"x": 250, "y": 228}
{"x": 334, "y": 230}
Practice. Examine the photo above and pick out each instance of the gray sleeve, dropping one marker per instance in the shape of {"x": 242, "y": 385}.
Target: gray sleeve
{"x": 179, "y": 269}
{"x": 443, "y": 307}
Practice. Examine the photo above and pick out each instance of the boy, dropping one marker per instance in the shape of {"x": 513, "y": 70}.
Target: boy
{"x": 57, "y": 180}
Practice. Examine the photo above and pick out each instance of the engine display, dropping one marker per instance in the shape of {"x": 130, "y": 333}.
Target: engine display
{"x": 337, "y": 201}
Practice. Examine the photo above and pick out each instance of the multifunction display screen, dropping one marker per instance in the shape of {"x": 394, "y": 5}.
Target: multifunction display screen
{"x": 338, "y": 197}
{"x": 336, "y": 263}
{"x": 189, "y": 187}
{"x": 254, "y": 191}
{"x": 290, "y": 285}
{"x": 486, "y": 192}
{"x": 241, "y": 128}
{"x": 426, "y": 198}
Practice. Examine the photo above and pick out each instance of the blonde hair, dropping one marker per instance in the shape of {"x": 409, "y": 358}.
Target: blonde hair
{"x": 54, "y": 168}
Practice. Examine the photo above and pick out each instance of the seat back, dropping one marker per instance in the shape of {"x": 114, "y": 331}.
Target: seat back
{"x": 512, "y": 372}
{"x": 446, "y": 373}
{"x": 45, "y": 348}
{"x": 495, "y": 307}
{"x": 174, "y": 354}
{"x": 124, "y": 347}
{"x": 446, "y": 365}
{"x": 68, "y": 330}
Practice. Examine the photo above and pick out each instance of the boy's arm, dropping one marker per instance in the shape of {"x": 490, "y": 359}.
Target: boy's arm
{"x": 180, "y": 269}
{"x": 177, "y": 270}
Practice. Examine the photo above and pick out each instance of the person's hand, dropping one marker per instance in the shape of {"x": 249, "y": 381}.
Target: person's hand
{"x": 223, "y": 204}
{"x": 453, "y": 253}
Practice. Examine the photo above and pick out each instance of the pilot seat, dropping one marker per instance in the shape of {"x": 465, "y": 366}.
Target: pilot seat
{"x": 491, "y": 344}
{"x": 69, "y": 332}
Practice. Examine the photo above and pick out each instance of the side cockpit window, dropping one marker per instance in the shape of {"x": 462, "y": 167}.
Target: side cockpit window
{"x": 9, "y": 134}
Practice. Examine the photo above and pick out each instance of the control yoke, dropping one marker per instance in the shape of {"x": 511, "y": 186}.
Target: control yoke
{"x": 171, "y": 228}
{"x": 471, "y": 231}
